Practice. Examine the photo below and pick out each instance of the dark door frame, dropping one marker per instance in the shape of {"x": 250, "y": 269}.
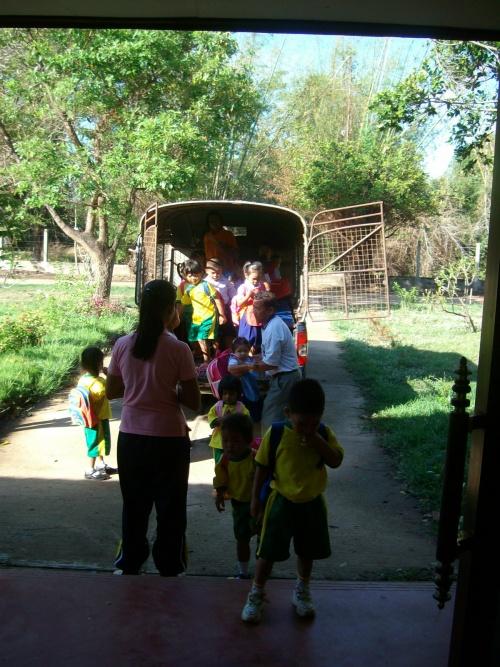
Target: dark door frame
{"x": 475, "y": 636}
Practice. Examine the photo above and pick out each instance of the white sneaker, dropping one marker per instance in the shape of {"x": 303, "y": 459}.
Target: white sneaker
{"x": 252, "y": 611}
{"x": 302, "y": 601}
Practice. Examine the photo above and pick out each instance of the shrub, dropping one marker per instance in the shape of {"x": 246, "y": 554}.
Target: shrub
{"x": 25, "y": 330}
{"x": 407, "y": 297}
{"x": 98, "y": 307}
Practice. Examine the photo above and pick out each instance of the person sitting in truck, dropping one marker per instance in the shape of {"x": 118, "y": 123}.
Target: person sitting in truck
{"x": 208, "y": 309}
{"x": 220, "y": 242}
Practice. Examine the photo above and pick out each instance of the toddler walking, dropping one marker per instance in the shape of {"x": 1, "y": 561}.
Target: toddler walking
{"x": 294, "y": 453}
{"x": 97, "y": 435}
{"x": 234, "y": 475}
{"x": 230, "y": 391}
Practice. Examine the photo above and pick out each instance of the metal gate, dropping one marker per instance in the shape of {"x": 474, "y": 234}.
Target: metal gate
{"x": 346, "y": 273}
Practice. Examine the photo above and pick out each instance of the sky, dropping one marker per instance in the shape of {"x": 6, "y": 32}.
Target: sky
{"x": 297, "y": 55}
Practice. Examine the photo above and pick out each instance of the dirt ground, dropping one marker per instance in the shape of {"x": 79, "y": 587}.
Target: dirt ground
{"x": 52, "y": 517}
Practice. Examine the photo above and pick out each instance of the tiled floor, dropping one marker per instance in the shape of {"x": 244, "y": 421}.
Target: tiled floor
{"x": 55, "y": 618}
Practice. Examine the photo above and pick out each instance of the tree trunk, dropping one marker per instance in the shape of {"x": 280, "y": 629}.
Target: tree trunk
{"x": 103, "y": 263}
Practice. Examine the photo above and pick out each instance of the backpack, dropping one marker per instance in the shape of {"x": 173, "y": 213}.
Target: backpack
{"x": 80, "y": 407}
{"x": 275, "y": 436}
{"x": 216, "y": 370}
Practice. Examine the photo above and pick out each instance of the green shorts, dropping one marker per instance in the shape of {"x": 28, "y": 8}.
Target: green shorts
{"x": 243, "y": 522}
{"x": 206, "y": 330}
{"x": 98, "y": 439}
{"x": 218, "y": 454}
{"x": 306, "y": 523}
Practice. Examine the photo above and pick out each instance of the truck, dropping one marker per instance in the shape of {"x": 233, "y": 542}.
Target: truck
{"x": 335, "y": 264}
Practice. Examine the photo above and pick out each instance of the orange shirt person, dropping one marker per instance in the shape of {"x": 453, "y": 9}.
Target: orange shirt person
{"x": 219, "y": 242}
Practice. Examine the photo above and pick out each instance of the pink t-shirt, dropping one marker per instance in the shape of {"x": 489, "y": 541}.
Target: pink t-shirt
{"x": 150, "y": 405}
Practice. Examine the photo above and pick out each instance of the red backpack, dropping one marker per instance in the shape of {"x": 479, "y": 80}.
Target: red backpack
{"x": 216, "y": 370}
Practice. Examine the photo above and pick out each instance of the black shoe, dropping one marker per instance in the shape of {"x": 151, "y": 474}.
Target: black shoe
{"x": 109, "y": 470}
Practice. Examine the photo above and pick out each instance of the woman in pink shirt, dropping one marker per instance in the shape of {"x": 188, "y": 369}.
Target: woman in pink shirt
{"x": 155, "y": 374}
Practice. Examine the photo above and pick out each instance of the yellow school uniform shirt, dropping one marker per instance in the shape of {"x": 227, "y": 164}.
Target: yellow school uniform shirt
{"x": 201, "y": 298}
{"x": 297, "y": 473}
{"x": 236, "y": 477}
{"x": 216, "y": 439}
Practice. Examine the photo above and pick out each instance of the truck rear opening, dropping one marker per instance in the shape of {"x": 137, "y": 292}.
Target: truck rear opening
{"x": 171, "y": 233}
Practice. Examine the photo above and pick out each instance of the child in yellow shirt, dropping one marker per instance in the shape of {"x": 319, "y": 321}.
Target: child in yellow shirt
{"x": 230, "y": 391}
{"x": 234, "y": 475}
{"x": 295, "y": 508}
{"x": 97, "y": 436}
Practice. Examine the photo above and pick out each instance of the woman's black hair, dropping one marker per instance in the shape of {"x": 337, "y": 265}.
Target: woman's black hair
{"x": 307, "y": 398}
{"x": 239, "y": 423}
{"x": 230, "y": 383}
{"x": 158, "y": 298}
{"x": 91, "y": 360}
{"x": 240, "y": 341}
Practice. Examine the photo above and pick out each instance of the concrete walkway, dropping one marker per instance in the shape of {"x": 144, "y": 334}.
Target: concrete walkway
{"x": 52, "y": 516}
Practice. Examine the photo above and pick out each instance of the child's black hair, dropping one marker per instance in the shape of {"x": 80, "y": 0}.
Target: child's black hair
{"x": 240, "y": 341}
{"x": 181, "y": 270}
{"x": 192, "y": 266}
{"x": 230, "y": 383}
{"x": 307, "y": 398}
{"x": 252, "y": 266}
{"x": 91, "y": 360}
{"x": 239, "y": 423}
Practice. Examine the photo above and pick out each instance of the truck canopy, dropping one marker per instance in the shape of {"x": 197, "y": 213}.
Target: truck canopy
{"x": 176, "y": 231}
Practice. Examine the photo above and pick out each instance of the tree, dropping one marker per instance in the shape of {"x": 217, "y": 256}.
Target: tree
{"x": 375, "y": 169}
{"x": 458, "y": 82}
{"x": 90, "y": 119}
{"x": 332, "y": 154}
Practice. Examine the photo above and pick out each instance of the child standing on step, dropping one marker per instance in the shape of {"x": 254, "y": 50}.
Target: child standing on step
{"x": 294, "y": 453}
{"x": 230, "y": 391}
{"x": 254, "y": 283}
{"x": 234, "y": 475}
{"x": 97, "y": 437}
{"x": 207, "y": 308}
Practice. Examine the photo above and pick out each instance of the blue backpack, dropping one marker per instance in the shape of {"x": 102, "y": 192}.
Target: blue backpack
{"x": 80, "y": 407}
{"x": 275, "y": 436}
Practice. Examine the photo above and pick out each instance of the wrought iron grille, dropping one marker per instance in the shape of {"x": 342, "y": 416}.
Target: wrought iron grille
{"x": 347, "y": 270}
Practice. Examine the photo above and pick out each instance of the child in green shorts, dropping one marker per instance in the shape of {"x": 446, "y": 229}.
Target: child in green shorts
{"x": 97, "y": 436}
{"x": 234, "y": 475}
{"x": 295, "y": 507}
{"x": 206, "y": 307}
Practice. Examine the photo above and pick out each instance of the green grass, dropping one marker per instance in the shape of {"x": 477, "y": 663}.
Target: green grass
{"x": 406, "y": 366}
{"x": 30, "y": 373}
